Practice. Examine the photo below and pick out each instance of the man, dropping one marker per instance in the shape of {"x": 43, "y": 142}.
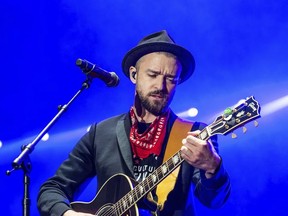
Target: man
{"x": 136, "y": 143}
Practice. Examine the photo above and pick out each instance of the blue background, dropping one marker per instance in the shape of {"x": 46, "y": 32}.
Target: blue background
{"x": 240, "y": 48}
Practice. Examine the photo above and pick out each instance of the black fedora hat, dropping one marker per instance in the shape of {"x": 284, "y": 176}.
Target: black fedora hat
{"x": 160, "y": 42}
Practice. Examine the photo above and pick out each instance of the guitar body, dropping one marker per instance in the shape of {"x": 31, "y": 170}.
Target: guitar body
{"x": 112, "y": 191}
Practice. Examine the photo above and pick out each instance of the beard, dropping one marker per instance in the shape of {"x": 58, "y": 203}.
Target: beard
{"x": 156, "y": 107}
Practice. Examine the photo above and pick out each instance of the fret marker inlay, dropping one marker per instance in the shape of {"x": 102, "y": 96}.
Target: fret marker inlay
{"x": 175, "y": 159}
{"x": 164, "y": 169}
{"x": 154, "y": 178}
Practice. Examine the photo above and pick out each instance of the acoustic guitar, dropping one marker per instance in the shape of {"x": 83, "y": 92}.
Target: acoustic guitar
{"x": 119, "y": 194}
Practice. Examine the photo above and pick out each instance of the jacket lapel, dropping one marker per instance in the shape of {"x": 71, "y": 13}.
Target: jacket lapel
{"x": 122, "y": 131}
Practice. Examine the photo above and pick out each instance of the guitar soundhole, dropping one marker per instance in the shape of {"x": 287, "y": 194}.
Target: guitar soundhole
{"x": 106, "y": 210}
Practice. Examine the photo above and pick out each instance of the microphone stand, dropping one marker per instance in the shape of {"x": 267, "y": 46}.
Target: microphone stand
{"x": 23, "y": 161}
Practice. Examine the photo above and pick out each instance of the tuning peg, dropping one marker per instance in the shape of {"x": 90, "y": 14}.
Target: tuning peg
{"x": 256, "y": 123}
{"x": 234, "y": 136}
{"x": 244, "y": 129}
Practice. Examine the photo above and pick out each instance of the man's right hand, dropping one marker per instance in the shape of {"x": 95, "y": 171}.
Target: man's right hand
{"x": 73, "y": 213}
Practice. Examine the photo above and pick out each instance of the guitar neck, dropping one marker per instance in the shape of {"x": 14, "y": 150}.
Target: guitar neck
{"x": 158, "y": 175}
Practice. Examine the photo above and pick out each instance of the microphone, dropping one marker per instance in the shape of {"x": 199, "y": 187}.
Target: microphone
{"x": 93, "y": 71}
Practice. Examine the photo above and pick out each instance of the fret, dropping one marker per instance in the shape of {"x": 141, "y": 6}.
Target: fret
{"x": 116, "y": 207}
{"x": 140, "y": 190}
{"x": 124, "y": 202}
{"x": 171, "y": 165}
{"x": 121, "y": 205}
{"x": 136, "y": 193}
{"x": 146, "y": 186}
{"x": 117, "y": 211}
{"x": 156, "y": 173}
{"x": 130, "y": 199}
{"x": 150, "y": 182}
{"x": 154, "y": 178}
{"x": 159, "y": 173}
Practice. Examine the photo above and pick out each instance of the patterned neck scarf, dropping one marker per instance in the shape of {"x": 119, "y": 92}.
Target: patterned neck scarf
{"x": 149, "y": 142}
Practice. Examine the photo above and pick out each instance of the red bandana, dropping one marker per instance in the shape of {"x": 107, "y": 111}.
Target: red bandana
{"x": 149, "y": 142}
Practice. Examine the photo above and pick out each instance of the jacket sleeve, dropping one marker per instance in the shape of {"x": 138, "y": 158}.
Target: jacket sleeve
{"x": 212, "y": 192}
{"x": 57, "y": 192}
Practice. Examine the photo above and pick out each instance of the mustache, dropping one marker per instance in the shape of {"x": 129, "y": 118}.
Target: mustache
{"x": 158, "y": 92}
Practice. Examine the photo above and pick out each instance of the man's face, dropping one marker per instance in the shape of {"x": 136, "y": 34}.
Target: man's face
{"x": 157, "y": 76}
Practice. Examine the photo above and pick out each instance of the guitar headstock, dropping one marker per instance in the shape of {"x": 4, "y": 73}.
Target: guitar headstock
{"x": 233, "y": 118}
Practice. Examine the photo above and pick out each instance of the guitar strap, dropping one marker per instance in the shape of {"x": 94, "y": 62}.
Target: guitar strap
{"x": 178, "y": 132}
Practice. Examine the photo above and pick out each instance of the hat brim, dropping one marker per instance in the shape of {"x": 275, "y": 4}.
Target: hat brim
{"x": 184, "y": 56}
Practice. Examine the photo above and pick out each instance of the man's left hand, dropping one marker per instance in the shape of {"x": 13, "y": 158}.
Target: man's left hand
{"x": 200, "y": 154}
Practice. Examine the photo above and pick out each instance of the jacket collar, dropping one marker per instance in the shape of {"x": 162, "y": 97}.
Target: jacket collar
{"x": 122, "y": 131}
